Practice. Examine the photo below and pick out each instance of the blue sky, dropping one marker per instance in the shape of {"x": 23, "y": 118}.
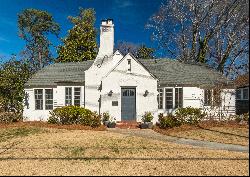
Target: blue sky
{"x": 130, "y": 17}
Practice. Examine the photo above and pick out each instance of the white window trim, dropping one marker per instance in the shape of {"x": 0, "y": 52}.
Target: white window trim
{"x": 43, "y": 99}
{"x": 73, "y": 94}
{"x": 242, "y": 95}
{"x": 164, "y": 98}
{"x": 163, "y": 104}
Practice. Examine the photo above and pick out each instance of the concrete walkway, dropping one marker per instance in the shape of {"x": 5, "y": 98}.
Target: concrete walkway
{"x": 148, "y": 133}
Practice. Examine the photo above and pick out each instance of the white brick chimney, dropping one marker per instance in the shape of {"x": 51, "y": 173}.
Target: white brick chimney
{"x": 106, "y": 38}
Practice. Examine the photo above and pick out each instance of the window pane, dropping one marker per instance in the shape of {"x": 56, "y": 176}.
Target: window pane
{"x": 169, "y": 98}
{"x": 207, "y": 97}
{"x": 245, "y": 93}
{"x": 160, "y": 99}
{"x": 129, "y": 65}
{"x": 178, "y": 97}
{"x": 38, "y": 99}
{"x": 77, "y": 96}
{"x": 238, "y": 94}
{"x": 68, "y": 96}
{"x": 48, "y": 99}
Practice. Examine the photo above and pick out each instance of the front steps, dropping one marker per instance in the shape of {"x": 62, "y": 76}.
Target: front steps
{"x": 127, "y": 124}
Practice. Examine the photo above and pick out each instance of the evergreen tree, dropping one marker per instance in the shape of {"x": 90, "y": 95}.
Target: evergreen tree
{"x": 13, "y": 74}
{"x": 80, "y": 44}
{"x": 34, "y": 27}
{"x": 144, "y": 52}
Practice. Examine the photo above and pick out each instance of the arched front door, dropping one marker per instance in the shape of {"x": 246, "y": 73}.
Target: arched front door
{"x": 128, "y": 104}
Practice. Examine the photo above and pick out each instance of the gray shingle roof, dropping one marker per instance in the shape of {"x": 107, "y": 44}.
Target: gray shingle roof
{"x": 60, "y": 72}
{"x": 168, "y": 72}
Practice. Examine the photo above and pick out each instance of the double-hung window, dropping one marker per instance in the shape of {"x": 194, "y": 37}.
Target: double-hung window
{"x": 68, "y": 96}
{"x": 242, "y": 94}
{"x": 160, "y": 98}
{"x": 178, "y": 97}
{"x": 169, "y": 98}
{"x": 173, "y": 98}
{"x": 73, "y": 97}
{"x": 48, "y": 99}
{"x": 245, "y": 93}
{"x": 238, "y": 94}
{"x": 207, "y": 97}
{"x": 77, "y": 96}
{"x": 38, "y": 99}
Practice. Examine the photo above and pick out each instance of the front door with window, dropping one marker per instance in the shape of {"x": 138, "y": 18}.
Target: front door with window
{"x": 128, "y": 105}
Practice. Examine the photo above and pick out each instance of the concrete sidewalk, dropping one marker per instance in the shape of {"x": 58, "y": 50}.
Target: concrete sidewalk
{"x": 148, "y": 133}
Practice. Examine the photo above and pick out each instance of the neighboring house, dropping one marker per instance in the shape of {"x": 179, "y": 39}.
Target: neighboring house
{"x": 127, "y": 87}
{"x": 242, "y": 94}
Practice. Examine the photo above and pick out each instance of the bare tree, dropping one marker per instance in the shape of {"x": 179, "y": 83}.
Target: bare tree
{"x": 207, "y": 31}
{"x": 138, "y": 51}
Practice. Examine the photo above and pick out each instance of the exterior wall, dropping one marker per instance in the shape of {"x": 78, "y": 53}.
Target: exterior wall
{"x": 194, "y": 97}
{"x": 93, "y": 80}
{"x": 138, "y": 78}
{"x": 30, "y": 114}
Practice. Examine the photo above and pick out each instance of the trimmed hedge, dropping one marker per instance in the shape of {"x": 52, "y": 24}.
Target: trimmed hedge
{"x": 9, "y": 117}
{"x": 74, "y": 115}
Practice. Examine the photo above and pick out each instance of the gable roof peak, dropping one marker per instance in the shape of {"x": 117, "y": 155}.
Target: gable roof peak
{"x": 118, "y": 52}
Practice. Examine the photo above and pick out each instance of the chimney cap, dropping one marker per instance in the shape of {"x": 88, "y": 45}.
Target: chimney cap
{"x": 108, "y": 21}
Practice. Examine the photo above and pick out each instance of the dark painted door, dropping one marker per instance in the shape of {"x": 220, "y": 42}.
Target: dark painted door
{"x": 128, "y": 106}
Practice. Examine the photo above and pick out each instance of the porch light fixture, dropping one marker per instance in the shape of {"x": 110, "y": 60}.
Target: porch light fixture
{"x": 146, "y": 93}
{"x": 110, "y": 93}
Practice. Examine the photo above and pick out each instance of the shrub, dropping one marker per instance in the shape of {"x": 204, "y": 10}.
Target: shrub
{"x": 9, "y": 117}
{"x": 147, "y": 117}
{"x": 237, "y": 118}
{"x": 190, "y": 115}
{"x": 74, "y": 115}
{"x": 105, "y": 116}
{"x": 246, "y": 117}
{"x": 168, "y": 121}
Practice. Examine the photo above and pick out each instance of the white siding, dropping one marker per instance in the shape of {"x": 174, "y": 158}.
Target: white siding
{"x": 194, "y": 97}
{"x": 138, "y": 78}
{"x": 31, "y": 114}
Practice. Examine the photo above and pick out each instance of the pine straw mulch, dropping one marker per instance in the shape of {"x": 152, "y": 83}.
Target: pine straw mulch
{"x": 203, "y": 125}
{"x": 40, "y": 124}
{"x": 228, "y": 132}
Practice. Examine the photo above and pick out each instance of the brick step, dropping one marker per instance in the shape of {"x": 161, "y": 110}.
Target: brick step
{"x": 127, "y": 125}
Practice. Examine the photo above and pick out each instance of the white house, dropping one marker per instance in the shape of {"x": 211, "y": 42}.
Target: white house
{"x": 126, "y": 87}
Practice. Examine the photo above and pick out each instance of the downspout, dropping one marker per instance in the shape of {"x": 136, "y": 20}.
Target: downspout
{"x": 84, "y": 94}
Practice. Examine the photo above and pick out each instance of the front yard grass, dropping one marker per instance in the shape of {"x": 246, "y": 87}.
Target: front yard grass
{"x": 228, "y": 133}
{"x": 7, "y": 134}
{"x": 81, "y": 152}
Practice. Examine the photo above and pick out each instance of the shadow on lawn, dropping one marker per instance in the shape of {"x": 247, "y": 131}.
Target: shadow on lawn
{"x": 225, "y": 133}
{"x": 122, "y": 158}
